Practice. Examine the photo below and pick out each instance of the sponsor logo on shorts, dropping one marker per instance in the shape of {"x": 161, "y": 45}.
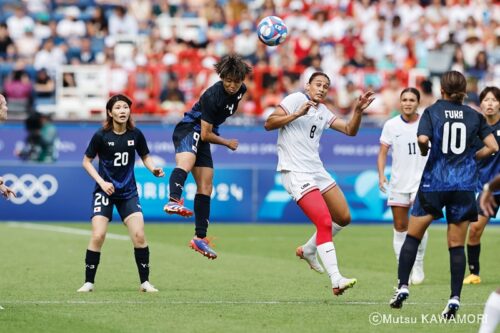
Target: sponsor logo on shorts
{"x": 97, "y": 209}
{"x": 305, "y": 186}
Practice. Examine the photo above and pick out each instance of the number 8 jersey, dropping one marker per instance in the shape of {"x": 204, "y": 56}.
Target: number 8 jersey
{"x": 117, "y": 158}
{"x": 452, "y": 129}
{"x": 298, "y": 141}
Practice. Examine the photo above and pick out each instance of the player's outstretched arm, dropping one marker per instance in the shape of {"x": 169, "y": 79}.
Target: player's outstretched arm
{"x": 208, "y": 135}
{"x": 149, "y": 164}
{"x": 107, "y": 187}
{"x": 351, "y": 127}
{"x": 6, "y": 191}
{"x": 280, "y": 118}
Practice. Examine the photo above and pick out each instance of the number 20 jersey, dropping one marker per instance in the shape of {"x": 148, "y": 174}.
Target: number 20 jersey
{"x": 452, "y": 129}
{"x": 117, "y": 158}
{"x": 298, "y": 141}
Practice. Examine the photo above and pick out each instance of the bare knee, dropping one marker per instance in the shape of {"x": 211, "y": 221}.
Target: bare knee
{"x": 400, "y": 226}
{"x": 97, "y": 239}
{"x": 474, "y": 233}
{"x": 344, "y": 219}
{"x": 205, "y": 188}
{"x": 139, "y": 239}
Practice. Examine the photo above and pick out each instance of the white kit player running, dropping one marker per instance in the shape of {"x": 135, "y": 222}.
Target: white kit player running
{"x": 400, "y": 134}
{"x": 301, "y": 119}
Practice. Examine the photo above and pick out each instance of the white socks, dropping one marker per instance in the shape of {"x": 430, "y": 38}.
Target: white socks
{"x": 491, "y": 314}
{"x": 422, "y": 247}
{"x": 328, "y": 256}
{"x": 310, "y": 245}
{"x": 398, "y": 240}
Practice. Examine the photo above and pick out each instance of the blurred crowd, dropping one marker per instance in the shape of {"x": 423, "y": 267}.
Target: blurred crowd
{"x": 161, "y": 52}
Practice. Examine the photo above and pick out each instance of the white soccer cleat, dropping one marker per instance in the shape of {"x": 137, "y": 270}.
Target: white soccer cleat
{"x": 400, "y": 295}
{"x": 1, "y": 308}
{"x": 342, "y": 284}
{"x": 451, "y": 308}
{"x": 147, "y": 287}
{"x": 310, "y": 258}
{"x": 86, "y": 288}
{"x": 417, "y": 273}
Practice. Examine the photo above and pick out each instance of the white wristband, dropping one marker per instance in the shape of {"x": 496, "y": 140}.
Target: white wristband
{"x": 486, "y": 187}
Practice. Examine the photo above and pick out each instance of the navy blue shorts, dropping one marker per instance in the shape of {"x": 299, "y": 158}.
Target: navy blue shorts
{"x": 495, "y": 209}
{"x": 186, "y": 139}
{"x": 460, "y": 205}
{"x": 102, "y": 205}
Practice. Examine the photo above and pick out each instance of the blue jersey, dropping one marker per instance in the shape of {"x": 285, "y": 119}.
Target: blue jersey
{"x": 214, "y": 107}
{"x": 117, "y": 158}
{"x": 452, "y": 129}
{"x": 489, "y": 167}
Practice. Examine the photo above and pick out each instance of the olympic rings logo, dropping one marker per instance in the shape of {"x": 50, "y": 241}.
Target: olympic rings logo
{"x": 31, "y": 188}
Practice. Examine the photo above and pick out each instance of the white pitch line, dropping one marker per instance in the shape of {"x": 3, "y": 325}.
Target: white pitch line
{"x": 83, "y": 302}
{"x": 65, "y": 230}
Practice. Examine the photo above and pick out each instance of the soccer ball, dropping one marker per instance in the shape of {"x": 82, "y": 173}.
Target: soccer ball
{"x": 272, "y": 30}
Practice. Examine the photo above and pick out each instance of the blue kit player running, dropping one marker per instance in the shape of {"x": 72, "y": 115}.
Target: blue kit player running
{"x": 116, "y": 144}
{"x": 449, "y": 180}
{"x": 192, "y": 138}
{"x": 488, "y": 168}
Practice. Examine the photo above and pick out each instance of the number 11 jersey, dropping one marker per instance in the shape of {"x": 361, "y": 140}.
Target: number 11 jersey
{"x": 407, "y": 161}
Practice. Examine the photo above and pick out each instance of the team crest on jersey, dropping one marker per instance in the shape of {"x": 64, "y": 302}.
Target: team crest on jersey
{"x": 498, "y": 132}
{"x": 230, "y": 108}
{"x": 130, "y": 142}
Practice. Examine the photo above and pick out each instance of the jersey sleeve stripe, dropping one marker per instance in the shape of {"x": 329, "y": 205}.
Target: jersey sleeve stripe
{"x": 332, "y": 120}
{"x": 385, "y": 143}
{"x": 284, "y": 108}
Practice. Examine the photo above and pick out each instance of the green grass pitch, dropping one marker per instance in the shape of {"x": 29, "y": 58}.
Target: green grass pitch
{"x": 256, "y": 285}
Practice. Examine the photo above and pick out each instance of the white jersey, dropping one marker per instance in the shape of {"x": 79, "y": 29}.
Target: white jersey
{"x": 407, "y": 162}
{"x": 298, "y": 141}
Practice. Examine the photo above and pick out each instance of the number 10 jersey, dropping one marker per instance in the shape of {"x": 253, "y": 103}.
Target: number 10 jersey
{"x": 452, "y": 129}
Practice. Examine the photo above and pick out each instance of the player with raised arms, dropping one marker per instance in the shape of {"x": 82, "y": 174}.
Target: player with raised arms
{"x": 400, "y": 134}
{"x": 192, "y": 138}
{"x": 447, "y": 131}
{"x": 489, "y": 167}
{"x": 301, "y": 119}
{"x": 116, "y": 144}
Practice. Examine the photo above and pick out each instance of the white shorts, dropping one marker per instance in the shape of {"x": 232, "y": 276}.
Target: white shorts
{"x": 297, "y": 184}
{"x": 401, "y": 199}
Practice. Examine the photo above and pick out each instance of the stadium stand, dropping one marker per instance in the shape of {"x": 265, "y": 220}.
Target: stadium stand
{"x": 142, "y": 44}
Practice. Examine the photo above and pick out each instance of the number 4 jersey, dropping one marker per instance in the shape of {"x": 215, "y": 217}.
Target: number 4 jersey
{"x": 298, "y": 141}
{"x": 117, "y": 158}
{"x": 452, "y": 129}
{"x": 407, "y": 162}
